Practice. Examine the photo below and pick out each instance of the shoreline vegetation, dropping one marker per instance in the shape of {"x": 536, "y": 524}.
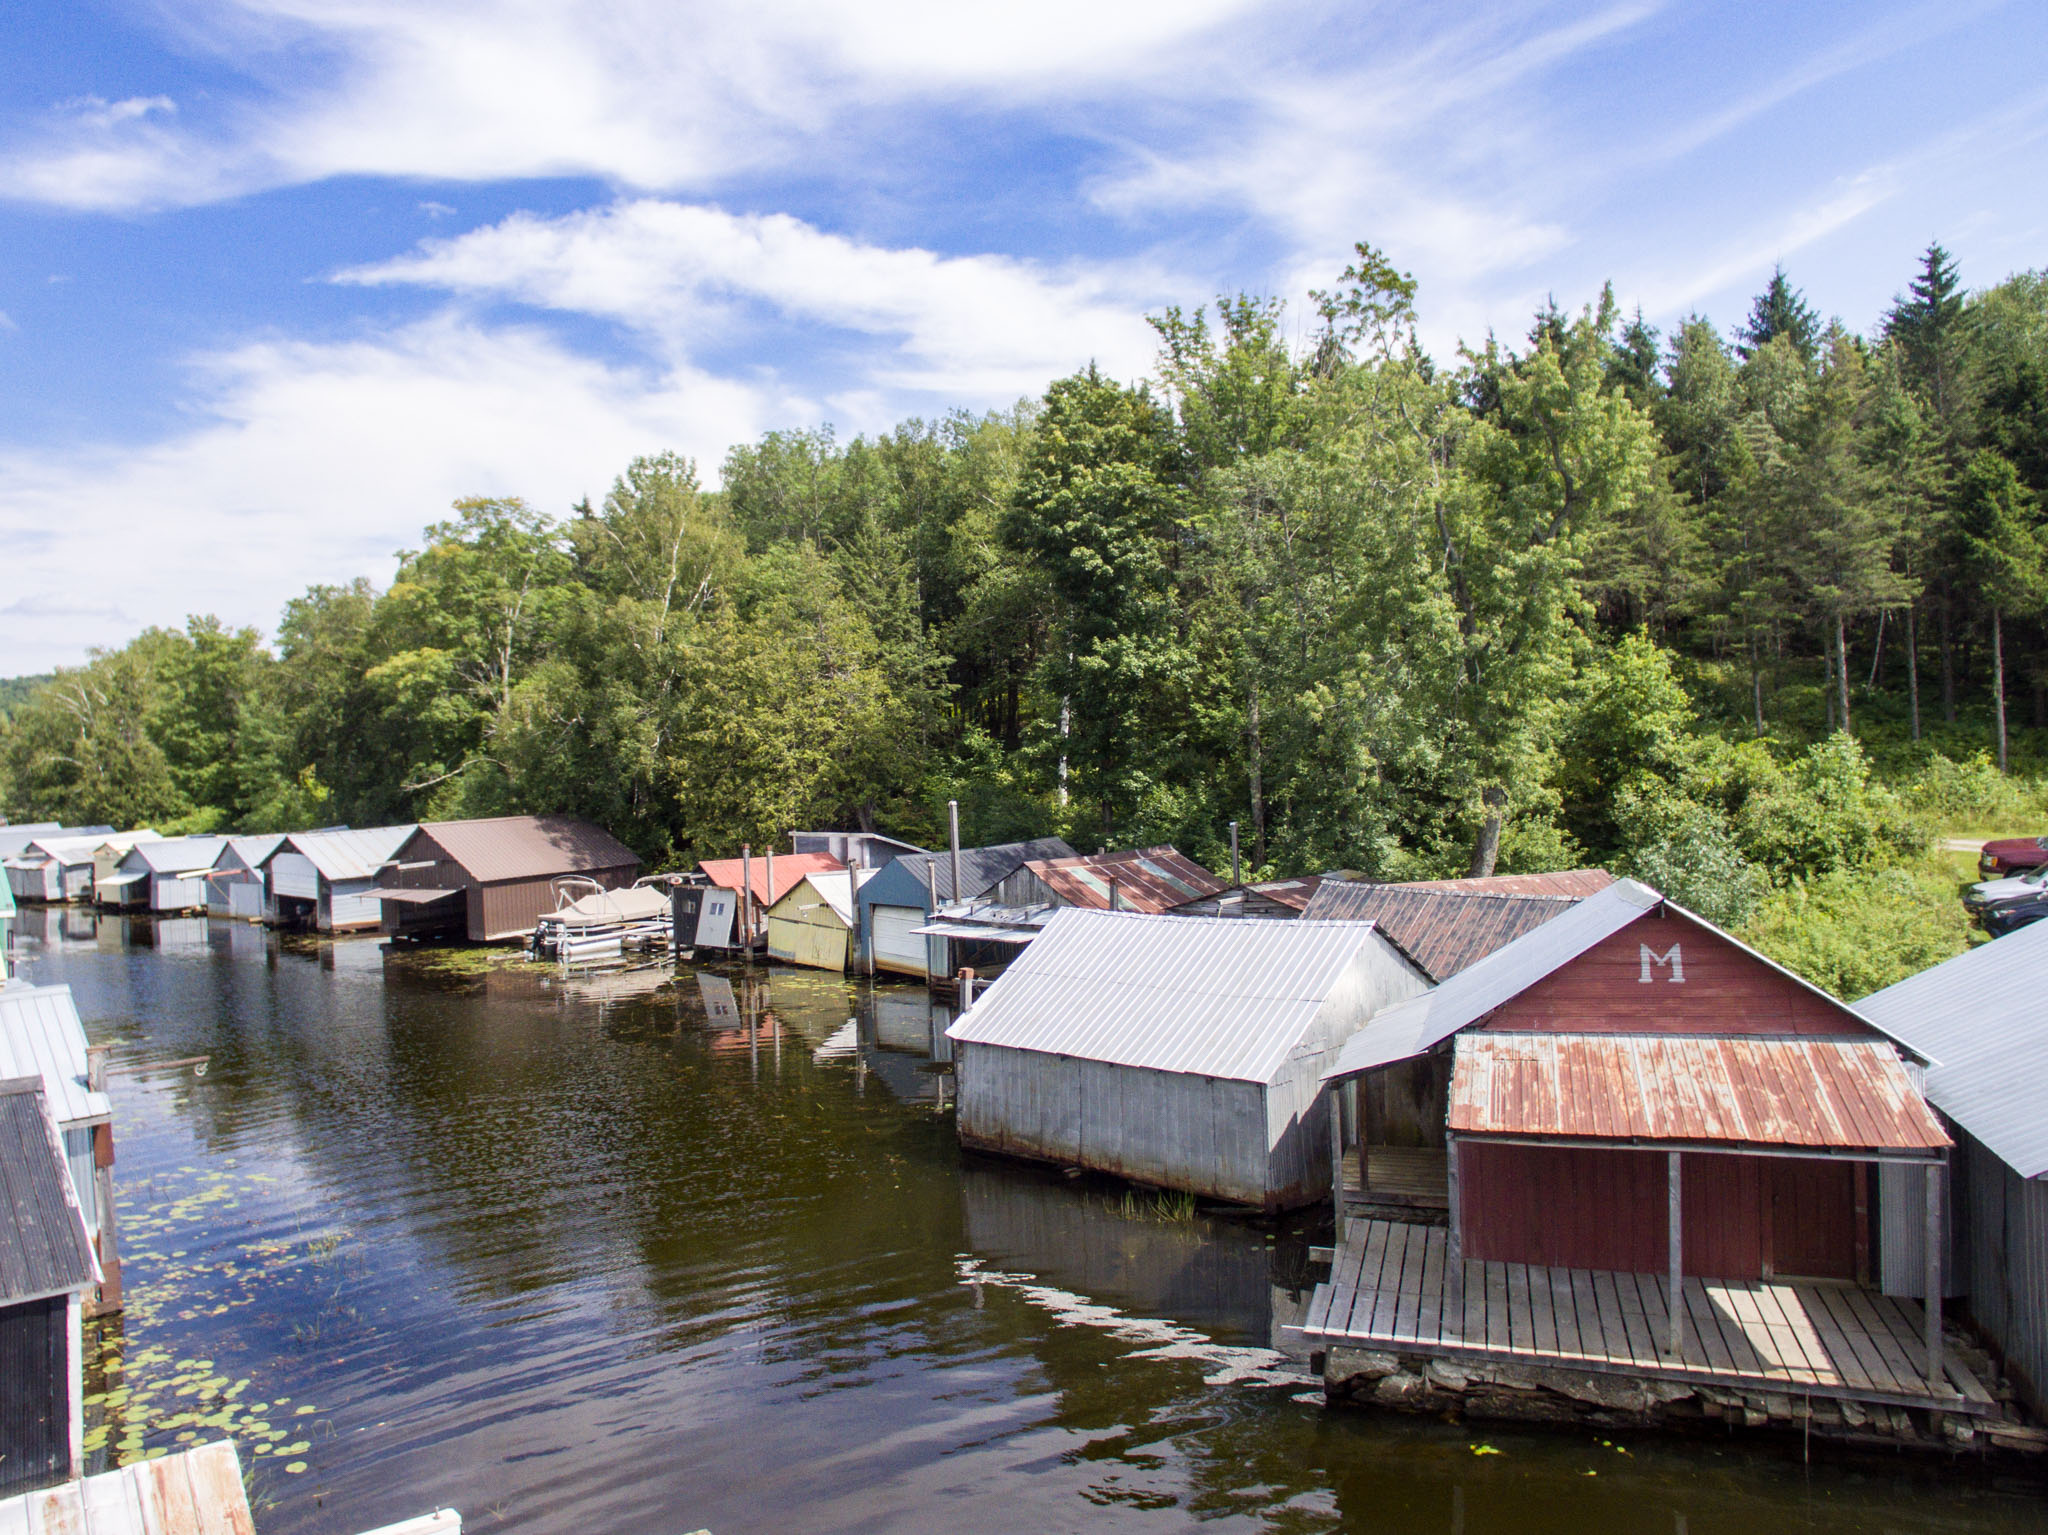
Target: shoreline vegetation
{"x": 1756, "y": 616}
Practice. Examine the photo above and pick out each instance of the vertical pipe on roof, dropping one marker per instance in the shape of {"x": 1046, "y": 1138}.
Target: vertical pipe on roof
{"x": 1236, "y": 872}
{"x": 746, "y": 895}
{"x": 765, "y": 905}
{"x": 953, "y": 831}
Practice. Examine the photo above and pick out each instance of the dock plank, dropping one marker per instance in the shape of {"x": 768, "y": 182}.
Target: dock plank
{"x": 1706, "y": 1323}
{"x": 1497, "y": 1307}
{"x": 1521, "y": 1314}
{"x": 1628, "y": 1293}
{"x": 1870, "y": 1359}
{"x": 1429, "y": 1313}
{"x": 1542, "y": 1318}
{"x": 1565, "y": 1312}
{"x": 1408, "y": 1307}
{"x": 1592, "y": 1332}
{"x": 1606, "y": 1297}
{"x": 1898, "y": 1363}
{"x": 1845, "y": 1367}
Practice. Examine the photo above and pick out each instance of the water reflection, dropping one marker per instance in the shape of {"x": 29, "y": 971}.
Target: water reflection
{"x": 667, "y": 1249}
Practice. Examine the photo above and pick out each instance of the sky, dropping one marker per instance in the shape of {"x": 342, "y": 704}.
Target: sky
{"x": 281, "y": 279}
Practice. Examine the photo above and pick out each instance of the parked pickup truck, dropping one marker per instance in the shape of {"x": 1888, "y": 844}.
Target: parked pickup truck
{"x": 2010, "y": 855}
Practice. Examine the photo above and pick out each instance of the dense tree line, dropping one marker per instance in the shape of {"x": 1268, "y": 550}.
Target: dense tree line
{"x": 1726, "y": 610}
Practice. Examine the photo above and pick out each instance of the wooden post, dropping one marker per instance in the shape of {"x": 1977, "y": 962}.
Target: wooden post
{"x": 1674, "y": 1304}
{"x": 1454, "y": 1280}
{"x": 1336, "y": 1096}
{"x": 1115, "y": 897}
{"x": 1933, "y": 1241}
{"x": 966, "y": 990}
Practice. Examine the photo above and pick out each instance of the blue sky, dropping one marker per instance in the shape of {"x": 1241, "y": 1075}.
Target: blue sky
{"x": 281, "y": 278}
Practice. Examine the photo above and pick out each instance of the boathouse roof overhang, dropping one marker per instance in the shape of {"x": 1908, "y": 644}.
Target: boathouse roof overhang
{"x": 1787, "y": 1096}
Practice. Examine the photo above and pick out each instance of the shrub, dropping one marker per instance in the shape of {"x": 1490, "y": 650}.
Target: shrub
{"x": 1853, "y": 931}
{"x": 1686, "y": 850}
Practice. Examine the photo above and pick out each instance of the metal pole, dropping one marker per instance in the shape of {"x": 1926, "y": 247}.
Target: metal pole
{"x": 1933, "y": 1244}
{"x": 1455, "y": 1280}
{"x": 747, "y": 897}
{"x": 1336, "y": 1096}
{"x": 953, "y": 831}
{"x": 1675, "y": 1304}
{"x": 1236, "y": 870}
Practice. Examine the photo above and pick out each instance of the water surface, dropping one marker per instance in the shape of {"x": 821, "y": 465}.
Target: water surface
{"x": 672, "y": 1250}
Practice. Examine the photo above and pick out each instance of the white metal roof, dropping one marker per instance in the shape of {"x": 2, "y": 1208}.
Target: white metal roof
{"x": 1423, "y": 1022}
{"x": 63, "y": 847}
{"x": 41, "y": 1036}
{"x": 1981, "y": 1016}
{"x": 351, "y": 854}
{"x": 178, "y": 855}
{"x": 1209, "y": 996}
{"x": 252, "y": 850}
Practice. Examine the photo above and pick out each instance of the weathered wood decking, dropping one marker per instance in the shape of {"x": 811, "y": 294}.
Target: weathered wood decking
{"x": 1388, "y": 1292}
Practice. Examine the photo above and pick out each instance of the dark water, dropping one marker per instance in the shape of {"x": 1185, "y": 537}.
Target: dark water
{"x": 654, "y": 1255}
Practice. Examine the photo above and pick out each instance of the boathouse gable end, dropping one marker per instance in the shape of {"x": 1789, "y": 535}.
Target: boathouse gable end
{"x": 1669, "y": 971}
{"x": 492, "y": 880}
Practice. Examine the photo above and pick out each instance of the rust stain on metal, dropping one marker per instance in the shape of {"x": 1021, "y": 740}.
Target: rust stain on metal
{"x": 1152, "y": 879}
{"x": 1442, "y": 930}
{"x": 1827, "y": 1093}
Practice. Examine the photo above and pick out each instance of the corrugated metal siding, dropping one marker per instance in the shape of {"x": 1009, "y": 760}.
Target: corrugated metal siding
{"x": 1978, "y": 1018}
{"x": 1837, "y": 1094}
{"x": 1211, "y": 996}
{"x": 167, "y": 894}
{"x": 349, "y": 904}
{"x": 44, "y": 1249}
{"x": 295, "y": 875}
{"x": 1444, "y": 931}
{"x": 41, "y": 1036}
{"x": 1180, "y": 1132}
{"x": 35, "y": 1395}
{"x": 2004, "y": 1258}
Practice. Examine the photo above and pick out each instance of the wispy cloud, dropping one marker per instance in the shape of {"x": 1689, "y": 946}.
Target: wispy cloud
{"x": 975, "y": 328}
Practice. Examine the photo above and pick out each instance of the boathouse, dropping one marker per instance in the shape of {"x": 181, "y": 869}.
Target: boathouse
{"x": 1979, "y": 1019}
{"x": 854, "y": 849}
{"x": 16, "y": 835}
{"x": 328, "y": 880}
{"x": 41, "y": 1035}
{"x": 813, "y": 924}
{"x": 55, "y": 866}
{"x": 238, "y": 885}
{"x": 1182, "y": 1052}
{"x": 165, "y": 875}
{"x": 757, "y": 882}
{"x": 1652, "y": 1154}
{"x": 905, "y": 895}
{"x": 492, "y": 880}
{"x": 106, "y": 864}
{"x": 46, "y": 1267}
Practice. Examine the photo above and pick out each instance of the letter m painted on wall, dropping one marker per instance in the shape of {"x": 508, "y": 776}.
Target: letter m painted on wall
{"x": 1670, "y": 957}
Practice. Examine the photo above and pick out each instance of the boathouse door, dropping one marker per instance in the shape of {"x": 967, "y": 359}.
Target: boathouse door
{"x": 35, "y": 1399}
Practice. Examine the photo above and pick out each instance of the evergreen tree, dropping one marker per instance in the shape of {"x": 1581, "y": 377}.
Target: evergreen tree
{"x": 1780, "y": 310}
{"x": 1931, "y": 325}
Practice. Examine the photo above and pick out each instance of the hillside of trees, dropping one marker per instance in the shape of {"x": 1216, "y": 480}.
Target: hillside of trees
{"x": 1754, "y": 615}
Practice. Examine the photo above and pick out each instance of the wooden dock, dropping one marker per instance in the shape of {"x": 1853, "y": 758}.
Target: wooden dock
{"x": 1815, "y": 1338}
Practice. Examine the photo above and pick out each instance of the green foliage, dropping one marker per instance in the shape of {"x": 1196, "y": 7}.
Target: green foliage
{"x": 1854, "y": 931}
{"x": 1721, "y": 616}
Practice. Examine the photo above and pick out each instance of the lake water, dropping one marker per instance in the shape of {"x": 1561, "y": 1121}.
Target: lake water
{"x": 680, "y": 1250}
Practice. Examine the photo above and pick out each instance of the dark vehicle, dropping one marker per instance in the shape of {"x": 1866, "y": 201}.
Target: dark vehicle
{"x": 2013, "y": 915}
{"x": 2012, "y": 854}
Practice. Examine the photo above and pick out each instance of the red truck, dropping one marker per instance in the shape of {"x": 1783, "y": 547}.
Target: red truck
{"x": 2012, "y": 855}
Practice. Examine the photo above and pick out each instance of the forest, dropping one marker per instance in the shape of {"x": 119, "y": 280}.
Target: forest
{"x": 1756, "y": 615}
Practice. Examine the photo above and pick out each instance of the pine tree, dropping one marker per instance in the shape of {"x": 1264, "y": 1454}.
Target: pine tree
{"x": 2002, "y": 553}
{"x": 1780, "y": 310}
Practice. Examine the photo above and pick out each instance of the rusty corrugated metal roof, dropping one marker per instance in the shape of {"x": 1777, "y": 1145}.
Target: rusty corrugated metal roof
{"x": 790, "y": 870}
{"x": 1151, "y": 879}
{"x": 1831, "y": 1094}
{"x": 513, "y": 847}
{"x": 1442, "y": 930}
{"x": 1578, "y": 883}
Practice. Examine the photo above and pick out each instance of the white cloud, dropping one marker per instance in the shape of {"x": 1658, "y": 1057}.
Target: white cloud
{"x": 975, "y": 329}
{"x": 648, "y": 94}
{"x": 315, "y": 463}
